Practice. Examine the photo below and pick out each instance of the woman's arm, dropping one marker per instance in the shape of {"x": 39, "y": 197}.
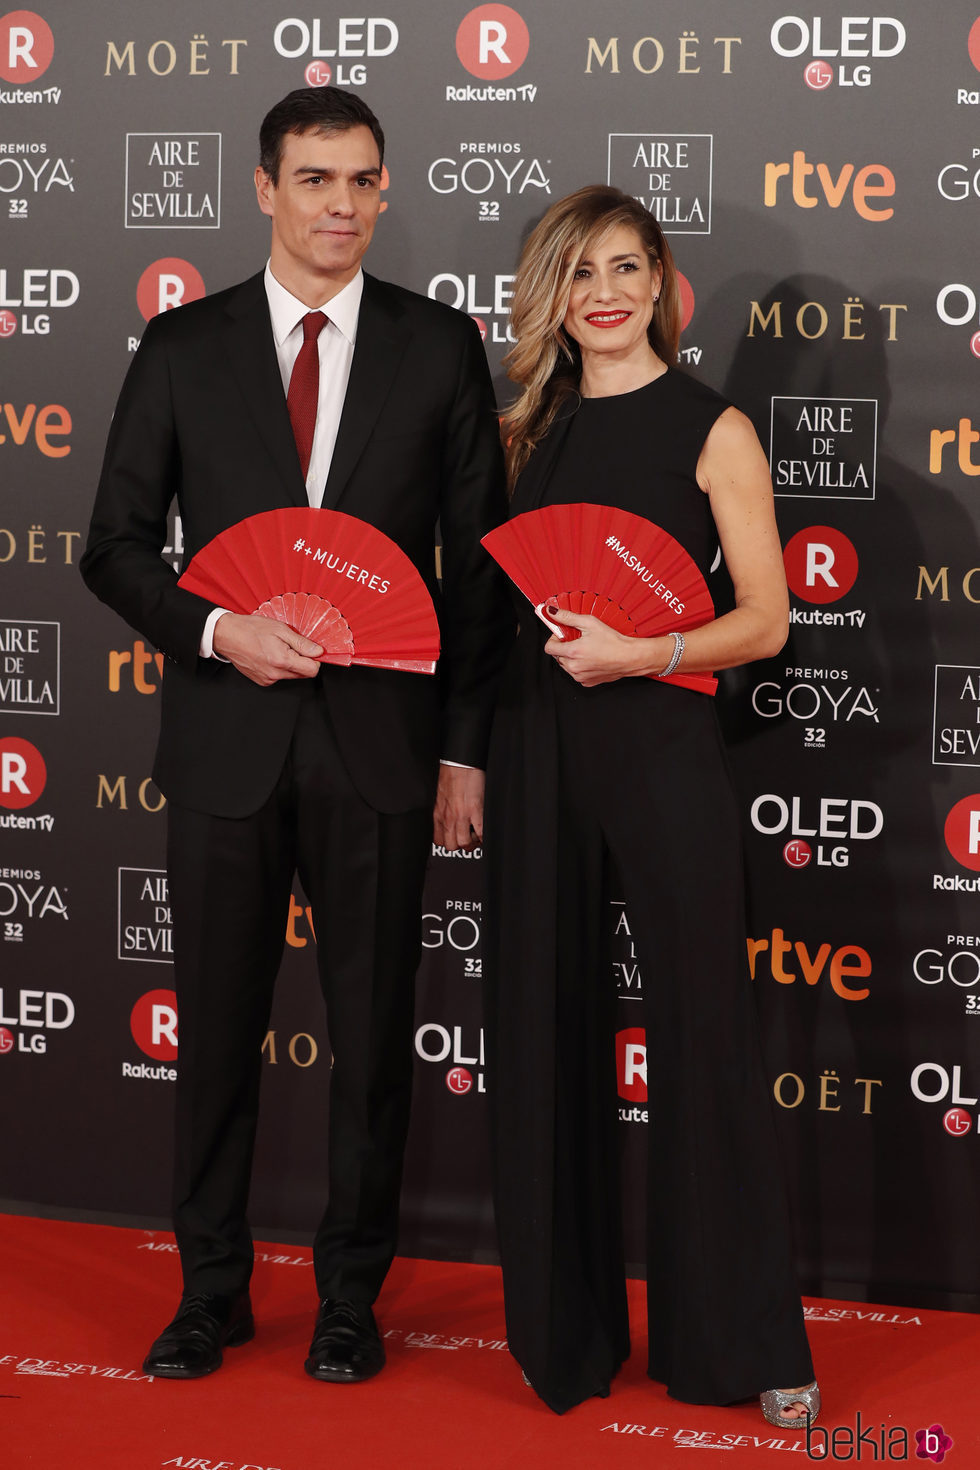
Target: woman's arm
{"x": 734, "y": 474}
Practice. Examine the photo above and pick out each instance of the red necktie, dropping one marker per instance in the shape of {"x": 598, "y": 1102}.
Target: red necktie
{"x": 304, "y": 388}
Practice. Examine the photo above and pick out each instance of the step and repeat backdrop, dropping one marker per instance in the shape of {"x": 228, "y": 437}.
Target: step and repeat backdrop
{"x": 818, "y": 176}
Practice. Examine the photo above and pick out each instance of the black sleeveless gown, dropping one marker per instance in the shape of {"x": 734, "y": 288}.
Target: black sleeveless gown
{"x": 634, "y": 769}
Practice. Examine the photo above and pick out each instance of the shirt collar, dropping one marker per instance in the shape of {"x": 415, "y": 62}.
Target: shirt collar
{"x": 287, "y": 311}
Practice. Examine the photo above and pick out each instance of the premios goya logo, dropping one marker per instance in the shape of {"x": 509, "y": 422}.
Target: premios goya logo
{"x": 27, "y": 898}
{"x": 29, "y": 172}
{"x": 490, "y": 173}
{"x": 821, "y": 700}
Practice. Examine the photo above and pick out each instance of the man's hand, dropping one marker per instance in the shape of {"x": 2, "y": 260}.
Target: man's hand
{"x": 457, "y": 821}
{"x": 263, "y": 650}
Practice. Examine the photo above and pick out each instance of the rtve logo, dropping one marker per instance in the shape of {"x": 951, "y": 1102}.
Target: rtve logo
{"x": 23, "y": 774}
{"x": 26, "y": 46}
{"x": 821, "y": 564}
{"x": 872, "y": 180}
{"x": 166, "y": 284}
{"x": 964, "y": 436}
{"x": 492, "y": 41}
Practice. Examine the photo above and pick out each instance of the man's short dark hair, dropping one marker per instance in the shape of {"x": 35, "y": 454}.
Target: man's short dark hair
{"x": 323, "y": 109}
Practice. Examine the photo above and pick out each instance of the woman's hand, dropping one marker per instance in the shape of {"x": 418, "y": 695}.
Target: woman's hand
{"x": 601, "y": 654}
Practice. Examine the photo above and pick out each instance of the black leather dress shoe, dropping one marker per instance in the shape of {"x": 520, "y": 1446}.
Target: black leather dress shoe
{"x": 346, "y": 1346}
{"x": 190, "y": 1346}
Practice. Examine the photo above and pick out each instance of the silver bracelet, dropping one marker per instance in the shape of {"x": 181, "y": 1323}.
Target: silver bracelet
{"x": 675, "y": 657}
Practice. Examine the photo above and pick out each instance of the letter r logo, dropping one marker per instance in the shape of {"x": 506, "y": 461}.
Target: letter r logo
{"x": 493, "y": 38}
{"x": 819, "y": 563}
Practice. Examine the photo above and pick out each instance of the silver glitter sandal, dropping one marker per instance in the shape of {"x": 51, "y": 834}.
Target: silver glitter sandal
{"x": 774, "y": 1400}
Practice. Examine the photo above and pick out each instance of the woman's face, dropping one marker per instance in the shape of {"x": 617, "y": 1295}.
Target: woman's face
{"x": 612, "y": 296}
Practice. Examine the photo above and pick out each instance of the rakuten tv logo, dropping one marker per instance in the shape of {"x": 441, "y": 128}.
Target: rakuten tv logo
{"x": 26, "y": 46}
{"x": 492, "y": 42}
{"x": 153, "y": 1023}
{"x": 631, "y": 1064}
{"x": 166, "y": 284}
{"x": 821, "y": 564}
{"x": 962, "y": 832}
{"x": 23, "y": 773}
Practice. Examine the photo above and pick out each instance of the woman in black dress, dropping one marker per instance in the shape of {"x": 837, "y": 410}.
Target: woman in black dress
{"x": 592, "y": 761}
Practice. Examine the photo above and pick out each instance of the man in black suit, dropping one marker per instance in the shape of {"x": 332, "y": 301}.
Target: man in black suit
{"x": 273, "y": 763}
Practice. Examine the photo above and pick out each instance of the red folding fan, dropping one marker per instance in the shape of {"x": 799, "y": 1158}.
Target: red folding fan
{"x": 329, "y": 576}
{"x": 617, "y": 566}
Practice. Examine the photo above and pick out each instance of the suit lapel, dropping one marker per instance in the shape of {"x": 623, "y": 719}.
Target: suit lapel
{"x": 252, "y": 359}
{"x": 382, "y": 336}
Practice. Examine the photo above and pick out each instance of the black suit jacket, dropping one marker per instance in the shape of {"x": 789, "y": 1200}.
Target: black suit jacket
{"x": 202, "y": 416}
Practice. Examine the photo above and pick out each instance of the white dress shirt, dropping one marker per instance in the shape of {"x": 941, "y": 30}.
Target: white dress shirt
{"x": 336, "y": 348}
{"x": 335, "y": 345}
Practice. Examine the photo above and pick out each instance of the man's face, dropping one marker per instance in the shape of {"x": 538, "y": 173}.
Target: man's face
{"x": 323, "y": 210}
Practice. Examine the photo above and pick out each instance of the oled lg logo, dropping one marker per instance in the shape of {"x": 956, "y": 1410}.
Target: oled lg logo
{"x": 837, "y": 46}
{"x": 435, "y": 1043}
{"x": 463, "y": 292}
{"x": 835, "y": 820}
{"x": 36, "y": 292}
{"x": 932, "y": 1083}
{"x": 956, "y": 306}
{"x": 34, "y": 1013}
{"x": 373, "y": 37}
{"x": 492, "y": 42}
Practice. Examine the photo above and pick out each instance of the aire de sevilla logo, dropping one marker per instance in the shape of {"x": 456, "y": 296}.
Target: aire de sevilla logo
{"x": 166, "y": 284}
{"x": 821, "y": 564}
{"x": 492, "y": 41}
{"x": 23, "y": 773}
{"x": 26, "y": 46}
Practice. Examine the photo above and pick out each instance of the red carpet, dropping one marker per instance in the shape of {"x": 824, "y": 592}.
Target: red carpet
{"x": 81, "y": 1303}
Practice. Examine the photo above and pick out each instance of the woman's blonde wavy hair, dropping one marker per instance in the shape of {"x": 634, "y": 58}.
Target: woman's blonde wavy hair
{"x": 546, "y": 362}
